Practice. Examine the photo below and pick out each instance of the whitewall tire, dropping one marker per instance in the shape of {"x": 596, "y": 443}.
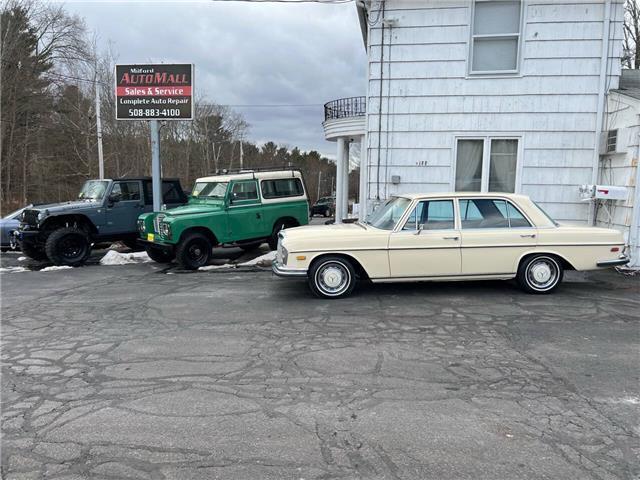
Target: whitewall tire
{"x": 332, "y": 277}
{"x": 540, "y": 274}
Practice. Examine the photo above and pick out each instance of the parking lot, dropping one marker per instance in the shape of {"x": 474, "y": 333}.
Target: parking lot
{"x": 143, "y": 371}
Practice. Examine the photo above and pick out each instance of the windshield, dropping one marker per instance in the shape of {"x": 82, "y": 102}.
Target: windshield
{"x": 388, "y": 214}
{"x": 546, "y": 214}
{"x": 210, "y": 189}
{"x": 93, "y": 190}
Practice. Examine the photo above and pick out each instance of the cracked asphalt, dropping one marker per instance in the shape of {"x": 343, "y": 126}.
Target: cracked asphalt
{"x": 139, "y": 372}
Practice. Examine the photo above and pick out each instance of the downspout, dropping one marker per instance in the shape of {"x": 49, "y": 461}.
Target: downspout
{"x": 604, "y": 62}
{"x": 380, "y": 102}
{"x": 634, "y": 234}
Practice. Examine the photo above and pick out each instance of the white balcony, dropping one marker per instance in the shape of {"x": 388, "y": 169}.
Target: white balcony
{"x": 345, "y": 123}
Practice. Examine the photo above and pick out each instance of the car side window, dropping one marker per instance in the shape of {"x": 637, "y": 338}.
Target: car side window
{"x": 244, "y": 191}
{"x": 126, "y": 190}
{"x": 170, "y": 193}
{"x": 432, "y": 215}
{"x": 284, "y": 187}
{"x": 516, "y": 219}
{"x": 483, "y": 213}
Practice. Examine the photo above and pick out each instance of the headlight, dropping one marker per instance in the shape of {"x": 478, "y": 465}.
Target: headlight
{"x": 141, "y": 226}
{"x": 165, "y": 230}
{"x": 283, "y": 253}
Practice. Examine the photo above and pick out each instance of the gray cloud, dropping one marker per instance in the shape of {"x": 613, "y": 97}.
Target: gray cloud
{"x": 246, "y": 53}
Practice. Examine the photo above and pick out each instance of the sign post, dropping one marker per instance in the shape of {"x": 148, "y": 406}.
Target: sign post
{"x": 154, "y": 92}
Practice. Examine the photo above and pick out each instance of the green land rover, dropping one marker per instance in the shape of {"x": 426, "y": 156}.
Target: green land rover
{"x": 242, "y": 209}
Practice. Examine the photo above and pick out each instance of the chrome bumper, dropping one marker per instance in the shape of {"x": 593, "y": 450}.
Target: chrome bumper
{"x": 622, "y": 260}
{"x": 282, "y": 271}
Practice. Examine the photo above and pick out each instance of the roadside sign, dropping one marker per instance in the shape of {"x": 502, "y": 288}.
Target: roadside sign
{"x": 154, "y": 92}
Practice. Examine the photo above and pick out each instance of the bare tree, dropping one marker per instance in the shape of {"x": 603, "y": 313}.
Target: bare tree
{"x": 631, "y": 55}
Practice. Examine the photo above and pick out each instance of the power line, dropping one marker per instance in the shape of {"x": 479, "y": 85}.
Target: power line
{"x": 288, "y": 1}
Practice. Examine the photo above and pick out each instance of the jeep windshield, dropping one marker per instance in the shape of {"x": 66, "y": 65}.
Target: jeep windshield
{"x": 93, "y": 190}
{"x": 210, "y": 190}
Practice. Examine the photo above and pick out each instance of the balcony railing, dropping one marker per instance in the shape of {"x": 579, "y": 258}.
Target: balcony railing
{"x": 345, "y": 108}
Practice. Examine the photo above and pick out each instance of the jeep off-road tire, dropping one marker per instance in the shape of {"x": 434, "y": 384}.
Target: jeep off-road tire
{"x": 540, "y": 274}
{"x": 193, "y": 251}
{"x": 280, "y": 225}
{"x": 160, "y": 255}
{"x": 33, "y": 253}
{"x": 68, "y": 246}
{"x": 332, "y": 277}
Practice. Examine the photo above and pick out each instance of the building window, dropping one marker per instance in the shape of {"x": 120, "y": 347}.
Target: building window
{"x": 495, "y": 36}
{"x": 612, "y": 140}
{"x": 486, "y": 165}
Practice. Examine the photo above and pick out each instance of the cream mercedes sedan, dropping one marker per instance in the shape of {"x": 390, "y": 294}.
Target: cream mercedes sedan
{"x": 454, "y": 236}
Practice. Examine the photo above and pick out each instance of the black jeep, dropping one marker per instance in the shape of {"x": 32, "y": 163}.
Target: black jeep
{"x": 105, "y": 211}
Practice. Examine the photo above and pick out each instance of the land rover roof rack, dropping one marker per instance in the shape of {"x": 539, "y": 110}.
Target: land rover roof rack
{"x": 232, "y": 171}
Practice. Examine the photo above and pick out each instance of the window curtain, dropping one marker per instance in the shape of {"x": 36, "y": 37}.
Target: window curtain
{"x": 469, "y": 165}
{"x": 502, "y": 171}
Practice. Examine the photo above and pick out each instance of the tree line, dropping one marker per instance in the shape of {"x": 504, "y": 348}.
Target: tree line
{"x": 49, "y": 71}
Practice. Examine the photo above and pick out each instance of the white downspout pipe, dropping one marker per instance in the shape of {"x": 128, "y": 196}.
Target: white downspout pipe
{"x": 604, "y": 62}
{"x": 634, "y": 240}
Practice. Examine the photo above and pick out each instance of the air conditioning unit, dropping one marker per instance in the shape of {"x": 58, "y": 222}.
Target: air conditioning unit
{"x": 610, "y": 142}
{"x": 603, "y": 192}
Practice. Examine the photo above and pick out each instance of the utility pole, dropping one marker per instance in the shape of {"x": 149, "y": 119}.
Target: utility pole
{"x": 155, "y": 165}
{"x": 99, "y": 131}
{"x": 241, "y": 156}
{"x": 319, "y": 180}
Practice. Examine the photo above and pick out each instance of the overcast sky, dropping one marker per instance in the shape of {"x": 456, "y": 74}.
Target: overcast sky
{"x": 246, "y": 53}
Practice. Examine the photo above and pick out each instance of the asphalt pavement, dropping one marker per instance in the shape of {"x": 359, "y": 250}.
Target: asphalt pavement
{"x": 148, "y": 372}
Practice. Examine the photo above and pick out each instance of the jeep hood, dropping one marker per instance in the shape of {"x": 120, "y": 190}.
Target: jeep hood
{"x": 67, "y": 206}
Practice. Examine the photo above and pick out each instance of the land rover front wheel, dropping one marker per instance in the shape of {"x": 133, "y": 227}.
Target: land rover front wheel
{"x": 280, "y": 225}
{"x": 332, "y": 277}
{"x": 193, "y": 251}
{"x": 68, "y": 246}
{"x": 540, "y": 274}
{"x": 159, "y": 255}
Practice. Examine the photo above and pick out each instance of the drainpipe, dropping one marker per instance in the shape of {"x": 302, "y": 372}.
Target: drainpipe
{"x": 604, "y": 62}
{"x": 634, "y": 241}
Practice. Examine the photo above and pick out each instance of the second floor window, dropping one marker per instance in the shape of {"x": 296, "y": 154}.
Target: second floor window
{"x": 495, "y": 36}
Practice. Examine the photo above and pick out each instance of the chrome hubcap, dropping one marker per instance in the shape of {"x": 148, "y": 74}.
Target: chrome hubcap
{"x": 333, "y": 278}
{"x": 542, "y": 274}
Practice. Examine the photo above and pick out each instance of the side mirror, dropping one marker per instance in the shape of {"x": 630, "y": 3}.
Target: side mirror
{"x": 114, "y": 198}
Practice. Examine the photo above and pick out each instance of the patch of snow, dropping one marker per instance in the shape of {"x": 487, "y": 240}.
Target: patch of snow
{"x": 265, "y": 259}
{"x": 13, "y": 269}
{"x": 116, "y": 258}
{"x": 216, "y": 267}
{"x": 22, "y": 259}
{"x": 55, "y": 267}
{"x": 627, "y": 400}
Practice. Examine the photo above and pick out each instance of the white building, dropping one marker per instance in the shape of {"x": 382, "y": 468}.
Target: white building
{"x": 491, "y": 95}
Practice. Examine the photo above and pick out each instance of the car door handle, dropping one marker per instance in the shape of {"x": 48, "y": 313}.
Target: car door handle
{"x": 528, "y": 235}
{"x": 450, "y": 238}
{"x": 258, "y": 216}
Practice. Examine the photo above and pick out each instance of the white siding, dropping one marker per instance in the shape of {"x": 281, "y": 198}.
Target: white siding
{"x": 427, "y": 98}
